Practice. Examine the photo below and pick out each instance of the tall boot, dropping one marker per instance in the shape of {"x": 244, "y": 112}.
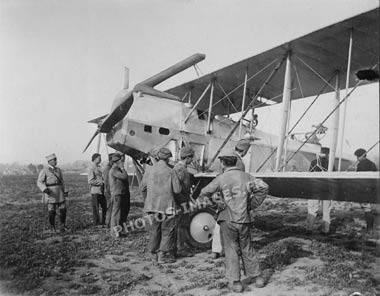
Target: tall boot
{"x": 62, "y": 219}
{"x": 52, "y": 219}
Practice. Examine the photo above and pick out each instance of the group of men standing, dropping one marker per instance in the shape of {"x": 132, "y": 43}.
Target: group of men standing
{"x": 109, "y": 189}
{"x": 166, "y": 190}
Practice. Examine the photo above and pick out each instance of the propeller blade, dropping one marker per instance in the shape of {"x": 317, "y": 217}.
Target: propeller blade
{"x": 89, "y": 143}
{"x": 97, "y": 120}
{"x": 138, "y": 170}
{"x": 120, "y": 108}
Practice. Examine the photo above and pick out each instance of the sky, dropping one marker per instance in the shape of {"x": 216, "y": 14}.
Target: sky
{"x": 61, "y": 61}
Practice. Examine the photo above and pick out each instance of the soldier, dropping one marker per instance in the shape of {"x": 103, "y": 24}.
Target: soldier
{"x": 186, "y": 155}
{"x": 371, "y": 211}
{"x": 96, "y": 184}
{"x": 119, "y": 187}
{"x": 51, "y": 183}
{"x": 363, "y": 163}
{"x": 107, "y": 190}
{"x": 241, "y": 150}
{"x": 320, "y": 164}
{"x": 159, "y": 184}
{"x": 237, "y": 190}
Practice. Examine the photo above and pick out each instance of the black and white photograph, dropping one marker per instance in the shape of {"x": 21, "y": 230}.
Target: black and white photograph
{"x": 189, "y": 147}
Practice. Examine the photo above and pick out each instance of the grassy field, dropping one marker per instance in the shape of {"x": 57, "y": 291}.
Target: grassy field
{"x": 87, "y": 261}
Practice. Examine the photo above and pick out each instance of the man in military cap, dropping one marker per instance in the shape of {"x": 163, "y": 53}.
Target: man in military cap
{"x": 50, "y": 182}
{"x": 96, "y": 184}
{"x": 159, "y": 184}
{"x": 186, "y": 157}
{"x": 241, "y": 150}
{"x": 236, "y": 190}
{"x": 119, "y": 187}
{"x": 107, "y": 190}
{"x": 363, "y": 163}
{"x": 320, "y": 164}
{"x": 371, "y": 211}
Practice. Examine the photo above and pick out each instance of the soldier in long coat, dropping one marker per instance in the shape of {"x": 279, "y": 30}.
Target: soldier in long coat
{"x": 50, "y": 182}
{"x": 186, "y": 158}
{"x": 159, "y": 184}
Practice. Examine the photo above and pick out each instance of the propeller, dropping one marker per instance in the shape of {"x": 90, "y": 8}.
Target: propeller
{"x": 124, "y": 99}
{"x": 92, "y": 139}
{"x": 120, "y": 107}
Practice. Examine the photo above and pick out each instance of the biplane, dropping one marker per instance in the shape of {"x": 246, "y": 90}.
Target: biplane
{"x": 197, "y": 113}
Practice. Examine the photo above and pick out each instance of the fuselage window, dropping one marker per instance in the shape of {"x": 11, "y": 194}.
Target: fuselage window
{"x": 147, "y": 128}
{"x": 163, "y": 131}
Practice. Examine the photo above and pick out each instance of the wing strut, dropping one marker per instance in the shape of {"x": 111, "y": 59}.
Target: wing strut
{"x": 210, "y": 107}
{"x": 197, "y": 103}
{"x": 298, "y": 121}
{"x": 243, "y": 100}
{"x": 327, "y": 117}
{"x": 343, "y": 123}
{"x": 241, "y": 84}
{"x": 335, "y": 126}
{"x": 285, "y": 109}
{"x": 250, "y": 106}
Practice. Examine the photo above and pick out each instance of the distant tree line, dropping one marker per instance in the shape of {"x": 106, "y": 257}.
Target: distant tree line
{"x": 16, "y": 168}
{"x": 35, "y": 169}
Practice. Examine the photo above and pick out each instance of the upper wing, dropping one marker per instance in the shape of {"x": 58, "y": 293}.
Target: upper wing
{"x": 325, "y": 51}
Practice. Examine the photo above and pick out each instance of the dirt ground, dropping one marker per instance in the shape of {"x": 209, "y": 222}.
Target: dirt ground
{"x": 87, "y": 261}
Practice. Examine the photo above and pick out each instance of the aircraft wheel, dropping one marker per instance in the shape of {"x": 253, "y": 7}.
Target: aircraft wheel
{"x": 200, "y": 230}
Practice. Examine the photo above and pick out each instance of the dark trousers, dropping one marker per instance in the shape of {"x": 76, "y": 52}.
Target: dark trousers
{"x": 60, "y": 209}
{"x": 183, "y": 222}
{"x": 96, "y": 200}
{"x": 125, "y": 205}
{"x": 237, "y": 240}
{"x": 109, "y": 209}
{"x": 162, "y": 233}
{"x": 120, "y": 210}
